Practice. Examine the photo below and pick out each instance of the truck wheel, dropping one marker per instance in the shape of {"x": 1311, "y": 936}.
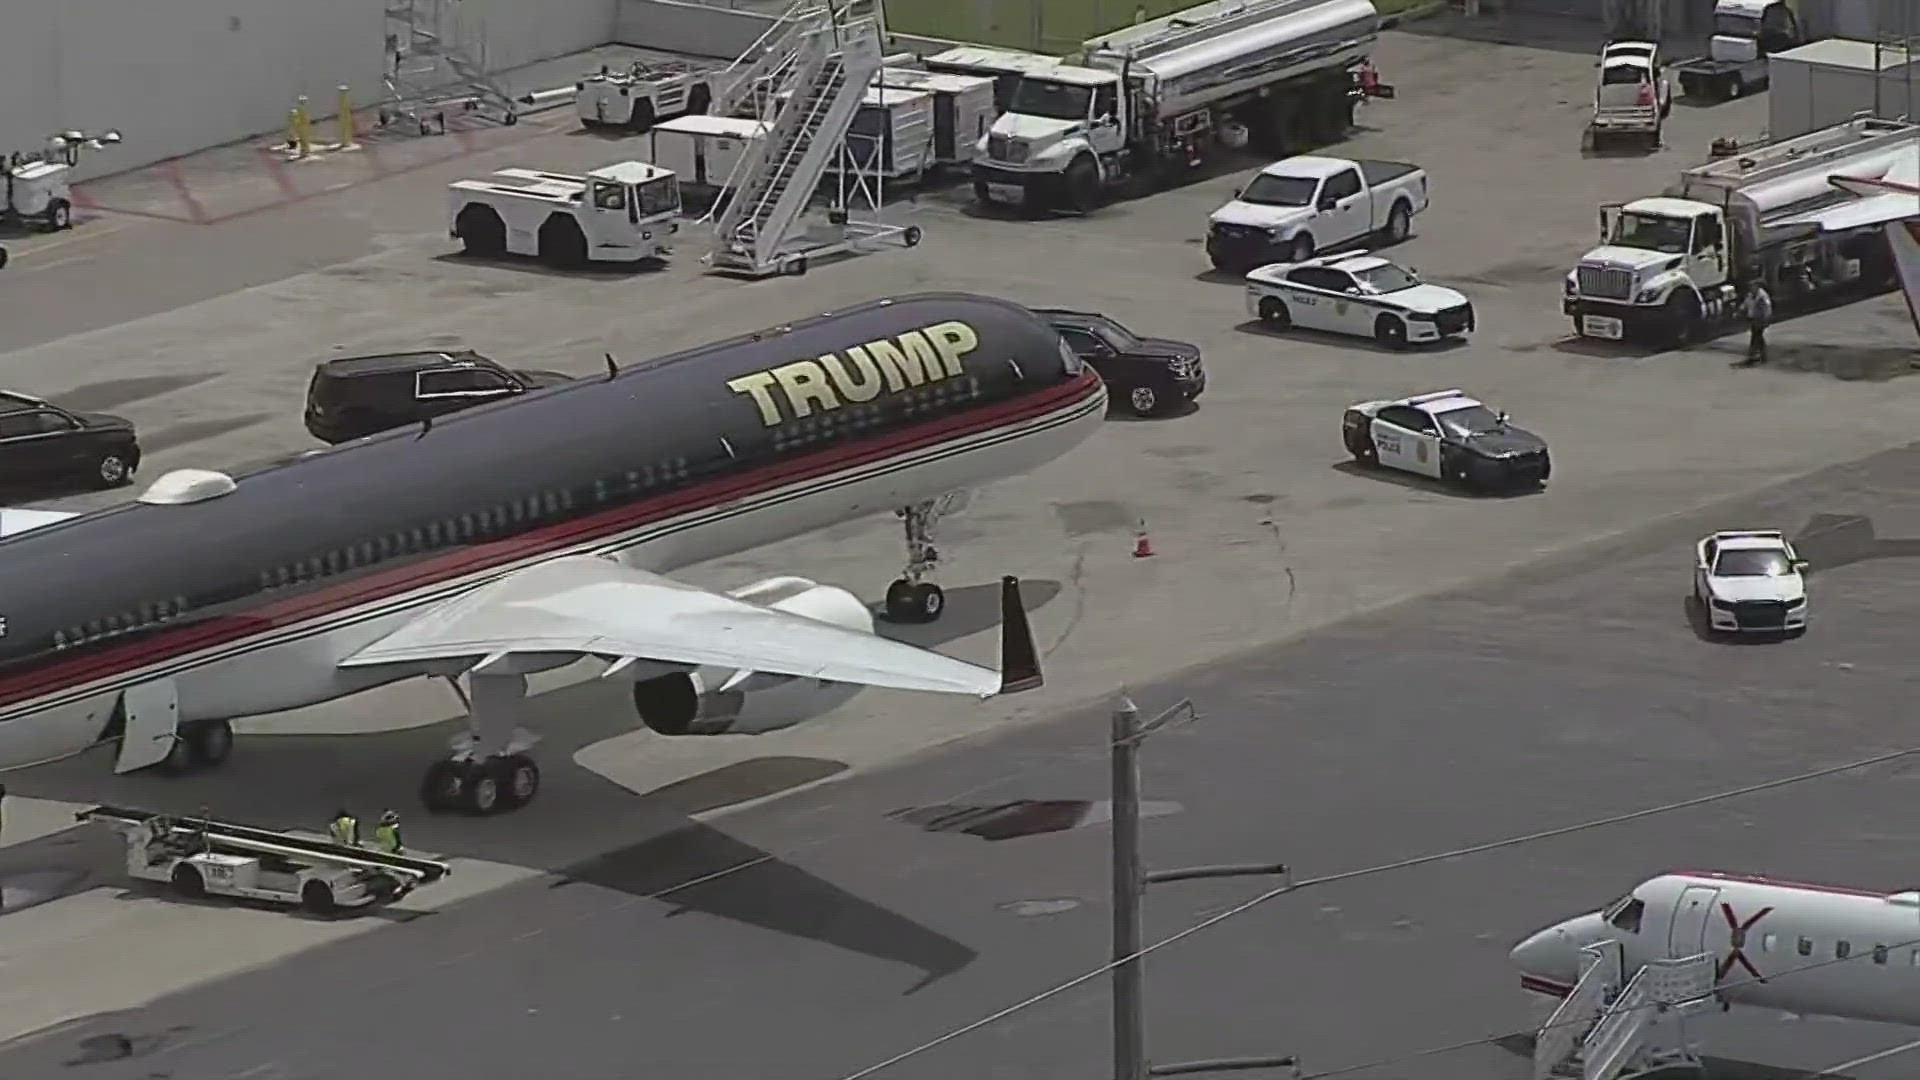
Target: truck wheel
{"x": 188, "y": 882}
{"x": 482, "y": 234}
{"x": 112, "y": 470}
{"x": 1390, "y": 332}
{"x": 699, "y": 99}
{"x": 1682, "y": 314}
{"x": 1399, "y": 224}
{"x": 317, "y": 898}
{"x": 641, "y": 118}
{"x": 1143, "y": 401}
{"x": 1273, "y": 312}
{"x": 1300, "y": 248}
{"x": 1365, "y": 453}
{"x": 1083, "y": 185}
{"x": 562, "y": 244}
{"x": 59, "y": 216}
{"x": 982, "y": 195}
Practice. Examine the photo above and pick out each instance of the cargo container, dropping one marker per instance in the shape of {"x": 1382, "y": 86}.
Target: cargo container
{"x": 1828, "y": 82}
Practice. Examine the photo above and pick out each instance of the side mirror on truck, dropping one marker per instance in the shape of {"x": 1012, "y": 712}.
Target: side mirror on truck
{"x": 1328, "y": 203}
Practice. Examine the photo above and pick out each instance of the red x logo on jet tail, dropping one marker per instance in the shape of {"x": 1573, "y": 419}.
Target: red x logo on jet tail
{"x": 1738, "y": 954}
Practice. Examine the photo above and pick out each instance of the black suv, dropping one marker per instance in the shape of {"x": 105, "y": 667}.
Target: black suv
{"x": 42, "y": 443}
{"x": 1145, "y": 376}
{"x": 355, "y": 396}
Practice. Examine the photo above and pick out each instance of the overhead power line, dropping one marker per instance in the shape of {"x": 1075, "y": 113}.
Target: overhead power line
{"x": 1382, "y": 868}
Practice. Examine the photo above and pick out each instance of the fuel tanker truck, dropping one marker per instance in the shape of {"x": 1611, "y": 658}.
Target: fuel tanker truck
{"x": 1150, "y": 101}
{"x": 1676, "y": 266}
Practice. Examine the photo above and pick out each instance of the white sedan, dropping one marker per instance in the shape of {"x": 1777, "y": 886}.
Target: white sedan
{"x": 1750, "y": 581}
{"x": 1358, "y": 294}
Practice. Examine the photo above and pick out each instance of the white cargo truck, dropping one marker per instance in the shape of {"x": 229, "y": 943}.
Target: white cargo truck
{"x": 621, "y": 213}
{"x": 1829, "y": 82}
{"x": 1672, "y": 267}
{"x": 892, "y": 133}
{"x": 201, "y": 857}
{"x": 963, "y": 109}
{"x": 1151, "y": 101}
{"x": 649, "y": 90}
{"x": 703, "y": 151}
{"x": 1745, "y": 34}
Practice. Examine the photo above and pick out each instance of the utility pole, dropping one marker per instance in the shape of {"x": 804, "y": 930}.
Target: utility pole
{"x": 1130, "y": 883}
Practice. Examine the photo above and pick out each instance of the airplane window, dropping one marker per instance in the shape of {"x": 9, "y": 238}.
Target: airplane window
{"x": 1841, "y": 949}
{"x": 1806, "y": 946}
{"x": 59, "y": 639}
{"x": 1769, "y": 942}
{"x": 1628, "y": 916}
{"x": 1879, "y": 954}
{"x": 1915, "y": 955}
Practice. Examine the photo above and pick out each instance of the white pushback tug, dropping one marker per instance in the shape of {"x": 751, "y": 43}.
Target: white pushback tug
{"x": 203, "y": 856}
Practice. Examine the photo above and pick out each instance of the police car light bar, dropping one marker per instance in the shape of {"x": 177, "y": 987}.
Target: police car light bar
{"x": 1751, "y": 534}
{"x": 1435, "y": 395}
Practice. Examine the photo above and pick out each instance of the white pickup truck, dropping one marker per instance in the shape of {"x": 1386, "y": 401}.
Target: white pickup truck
{"x": 1303, "y": 205}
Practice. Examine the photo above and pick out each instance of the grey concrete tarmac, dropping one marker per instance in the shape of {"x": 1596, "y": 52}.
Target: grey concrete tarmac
{"x": 1574, "y": 689}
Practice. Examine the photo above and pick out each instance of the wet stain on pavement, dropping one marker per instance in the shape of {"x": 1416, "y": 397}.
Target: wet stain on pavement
{"x": 1023, "y": 817}
{"x": 113, "y": 393}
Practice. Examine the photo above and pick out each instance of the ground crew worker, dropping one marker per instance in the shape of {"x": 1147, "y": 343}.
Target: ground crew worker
{"x": 386, "y": 835}
{"x": 1759, "y": 314}
{"x": 345, "y": 829}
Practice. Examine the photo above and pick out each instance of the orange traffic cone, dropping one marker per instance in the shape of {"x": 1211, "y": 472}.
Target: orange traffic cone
{"x": 1142, "y": 547}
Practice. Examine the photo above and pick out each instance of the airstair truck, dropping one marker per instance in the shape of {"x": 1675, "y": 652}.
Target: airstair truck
{"x": 1673, "y": 267}
{"x": 1151, "y": 100}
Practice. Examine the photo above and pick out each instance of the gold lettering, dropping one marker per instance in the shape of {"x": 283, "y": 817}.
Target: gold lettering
{"x": 953, "y": 340}
{"x": 806, "y": 386}
{"x": 756, "y": 385}
{"x": 910, "y": 363}
{"x": 866, "y": 387}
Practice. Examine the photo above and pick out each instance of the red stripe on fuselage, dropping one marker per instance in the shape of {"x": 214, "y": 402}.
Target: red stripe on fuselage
{"x": 270, "y": 615}
{"x": 1750, "y": 879}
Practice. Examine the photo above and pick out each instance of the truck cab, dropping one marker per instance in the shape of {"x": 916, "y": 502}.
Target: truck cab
{"x": 1662, "y": 265}
{"x": 1062, "y": 123}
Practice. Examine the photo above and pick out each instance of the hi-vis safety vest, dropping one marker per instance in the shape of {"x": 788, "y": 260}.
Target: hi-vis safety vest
{"x": 387, "y": 838}
{"x": 345, "y": 830}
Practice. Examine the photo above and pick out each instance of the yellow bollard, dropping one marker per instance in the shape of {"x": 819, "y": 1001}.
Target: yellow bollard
{"x": 347, "y": 140}
{"x": 301, "y": 128}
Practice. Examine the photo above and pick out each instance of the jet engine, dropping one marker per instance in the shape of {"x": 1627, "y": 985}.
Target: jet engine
{"x": 724, "y": 701}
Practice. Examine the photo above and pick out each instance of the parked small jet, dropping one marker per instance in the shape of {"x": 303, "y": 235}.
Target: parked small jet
{"x": 1810, "y": 950}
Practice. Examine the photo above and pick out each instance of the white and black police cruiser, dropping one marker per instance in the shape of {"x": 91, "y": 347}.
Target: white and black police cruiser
{"x": 1359, "y": 294}
{"x": 1448, "y": 436}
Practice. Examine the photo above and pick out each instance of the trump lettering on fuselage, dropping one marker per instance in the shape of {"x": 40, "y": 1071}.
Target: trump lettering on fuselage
{"x": 860, "y": 373}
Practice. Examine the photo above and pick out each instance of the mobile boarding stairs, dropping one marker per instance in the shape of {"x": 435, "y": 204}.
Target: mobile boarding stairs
{"x": 807, "y": 77}
{"x": 1613, "y": 1027}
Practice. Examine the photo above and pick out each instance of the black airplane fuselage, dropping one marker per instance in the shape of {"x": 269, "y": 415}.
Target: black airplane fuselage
{"x": 248, "y": 600}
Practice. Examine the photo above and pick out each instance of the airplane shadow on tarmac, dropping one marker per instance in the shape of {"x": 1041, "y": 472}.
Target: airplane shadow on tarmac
{"x": 299, "y": 781}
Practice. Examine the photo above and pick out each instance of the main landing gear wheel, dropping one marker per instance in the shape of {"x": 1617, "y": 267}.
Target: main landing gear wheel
{"x": 198, "y": 746}
{"x": 493, "y": 786}
{"x": 908, "y": 602}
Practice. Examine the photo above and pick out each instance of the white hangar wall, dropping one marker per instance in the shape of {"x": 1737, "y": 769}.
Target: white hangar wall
{"x": 177, "y": 76}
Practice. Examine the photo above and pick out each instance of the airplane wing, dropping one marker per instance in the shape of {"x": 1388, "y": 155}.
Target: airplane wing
{"x": 1880, "y": 202}
{"x": 14, "y": 520}
{"x": 591, "y": 606}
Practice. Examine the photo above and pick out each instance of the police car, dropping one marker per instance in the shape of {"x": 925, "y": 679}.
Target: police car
{"x": 1361, "y": 294}
{"x": 1448, "y": 436}
{"x": 1750, "y": 580}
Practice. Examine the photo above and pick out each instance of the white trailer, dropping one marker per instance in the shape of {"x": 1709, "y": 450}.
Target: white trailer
{"x": 621, "y": 213}
{"x": 1829, "y": 82}
{"x": 1670, "y": 266}
{"x": 1004, "y": 66}
{"x": 650, "y": 89}
{"x": 200, "y": 857}
{"x": 963, "y": 109}
{"x": 1151, "y": 101}
{"x": 892, "y": 133}
{"x": 704, "y": 151}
